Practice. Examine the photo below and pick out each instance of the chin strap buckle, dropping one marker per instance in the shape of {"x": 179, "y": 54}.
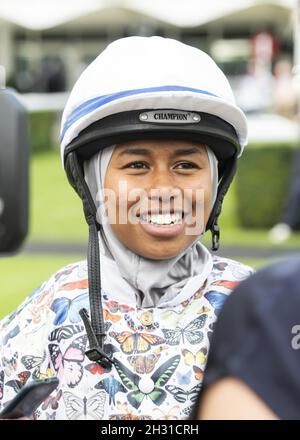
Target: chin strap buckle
{"x": 215, "y": 231}
{"x": 95, "y": 352}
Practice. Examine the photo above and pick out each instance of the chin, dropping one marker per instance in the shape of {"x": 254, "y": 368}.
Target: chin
{"x": 159, "y": 255}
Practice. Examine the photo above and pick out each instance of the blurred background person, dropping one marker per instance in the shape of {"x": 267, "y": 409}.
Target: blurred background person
{"x": 284, "y": 96}
{"x": 285, "y": 103}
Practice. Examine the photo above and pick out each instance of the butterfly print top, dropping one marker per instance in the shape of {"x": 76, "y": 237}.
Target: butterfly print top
{"x": 159, "y": 353}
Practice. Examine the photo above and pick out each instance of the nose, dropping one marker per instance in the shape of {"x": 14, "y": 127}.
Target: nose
{"x": 163, "y": 188}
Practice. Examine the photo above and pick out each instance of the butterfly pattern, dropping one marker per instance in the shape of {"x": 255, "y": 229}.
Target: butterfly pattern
{"x": 86, "y": 408}
{"x": 52, "y": 401}
{"x": 153, "y": 388}
{"x": 112, "y": 387}
{"x": 31, "y": 362}
{"x": 192, "y": 332}
{"x": 69, "y": 364}
{"x": 143, "y": 364}
{"x": 69, "y": 308}
{"x": 182, "y": 395}
{"x": 21, "y": 380}
{"x": 159, "y": 353}
{"x": 136, "y": 342}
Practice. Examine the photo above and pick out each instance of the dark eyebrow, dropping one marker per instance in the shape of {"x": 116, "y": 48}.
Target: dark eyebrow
{"x": 186, "y": 151}
{"x": 147, "y": 152}
{"x": 137, "y": 151}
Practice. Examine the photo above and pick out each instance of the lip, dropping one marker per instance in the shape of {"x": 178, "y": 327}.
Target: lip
{"x": 163, "y": 230}
{"x": 170, "y": 211}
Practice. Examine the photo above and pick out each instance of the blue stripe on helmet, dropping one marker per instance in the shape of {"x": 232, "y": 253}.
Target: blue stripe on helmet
{"x": 99, "y": 101}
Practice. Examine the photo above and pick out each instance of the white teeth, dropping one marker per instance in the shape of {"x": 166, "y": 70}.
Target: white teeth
{"x": 162, "y": 219}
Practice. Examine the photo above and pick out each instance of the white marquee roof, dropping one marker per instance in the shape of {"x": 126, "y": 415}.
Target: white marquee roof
{"x": 47, "y": 14}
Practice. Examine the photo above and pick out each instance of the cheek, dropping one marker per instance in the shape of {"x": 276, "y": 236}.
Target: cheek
{"x": 123, "y": 194}
{"x": 204, "y": 189}
{"x": 202, "y": 193}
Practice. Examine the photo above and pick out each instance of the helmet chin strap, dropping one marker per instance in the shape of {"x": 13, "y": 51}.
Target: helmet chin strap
{"x": 95, "y": 325}
{"x": 229, "y": 171}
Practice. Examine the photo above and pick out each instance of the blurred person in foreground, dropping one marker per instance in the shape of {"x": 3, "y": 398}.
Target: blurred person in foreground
{"x": 253, "y": 365}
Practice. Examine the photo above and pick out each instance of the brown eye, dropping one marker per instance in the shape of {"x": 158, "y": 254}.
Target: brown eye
{"x": 187, "y": 165}
{"x": 136, "y": 165}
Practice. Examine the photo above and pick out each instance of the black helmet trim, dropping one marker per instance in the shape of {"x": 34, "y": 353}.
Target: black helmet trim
{"x": 126, "y": 126}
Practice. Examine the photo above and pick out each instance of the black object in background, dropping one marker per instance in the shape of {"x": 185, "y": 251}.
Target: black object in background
{"x": 14, "y": 162}
{"x": 29, "y": 398}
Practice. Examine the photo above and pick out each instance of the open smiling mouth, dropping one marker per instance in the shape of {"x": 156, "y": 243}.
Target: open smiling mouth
{"x": 162, "y": 219}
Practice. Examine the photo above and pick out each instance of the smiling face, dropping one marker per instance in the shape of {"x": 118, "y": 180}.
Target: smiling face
{"x": 173, "y": 176}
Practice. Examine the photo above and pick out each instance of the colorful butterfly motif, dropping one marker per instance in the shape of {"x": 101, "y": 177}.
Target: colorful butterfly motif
{"x": 114, "y": 307}
{"x": 171, "y": 414}
{"x": 69, "y": 364}
{"x": 141, "y": 327}
{"x": 192, "y": 332}
{"x": 159, "y": 378}
{"x": 126, "y": 414}
{"x": 78, "y": 408}
{"x": 109, "y": 316}
{"x": 184, "y": 378}
{"x": 10, "y": 364}
{"x": 143, "y": 364}
{"x": 187, "y": 411}
{"x": 95, "y": 368}
{"x": 129, "y": 416}
{"x": 65, "y": 332}
{"x": 31, "y": 362}
{"x": 146, "y": 318}
{"x": 17, "y": 384}
{"x": 173, "y": 317}
{"x": 82, "y": 284}
{"x": 196, "y": 295}
{"x": 226, "y": 283}
{"x": 11, "y": 334}
{"x": 181, "y": 395}
{"x": 52, "y": 402}
{"x": 39, "y": 308}
{"x": 216, "y": 299}
{"x": 136, "y": 342}
{"x": 194, "y": 359}
{"x": 198, "y": 373}
{"x": 199, "y": 293}
{"x": 38, "y": 375}
{"x": 63, "y": 273}
{"x": 69, "y": 308}
{"x": 44, "y": 297}
{"x": 112, "y": 387}
{"x": 51, "y": 416}
{"x": 220, "y": 266}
